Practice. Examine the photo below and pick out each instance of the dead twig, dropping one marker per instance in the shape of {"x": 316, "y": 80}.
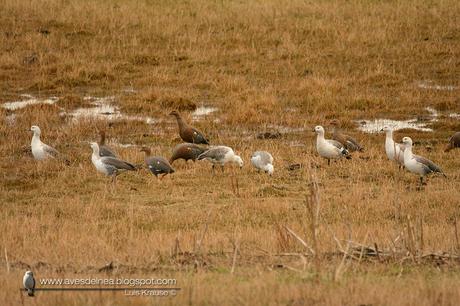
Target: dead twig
{"x": 299, "y": 239}
{"x": 456, "y": 235}
{"x": 7, "y": 262}
{"x": 235, "y": 252}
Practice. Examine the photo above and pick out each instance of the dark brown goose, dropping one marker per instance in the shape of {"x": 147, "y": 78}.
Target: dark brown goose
{"x": 187, "y": 132}
{"x": 186, "y": 151}
{"x": 454, "y": 142}
{"x": 347, "y": 141}
{"x": 156, "y": 164}
{"x": 103, "y": 149}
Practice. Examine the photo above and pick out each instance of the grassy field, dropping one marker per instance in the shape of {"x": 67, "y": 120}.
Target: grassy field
{"x": 357, "y": 232}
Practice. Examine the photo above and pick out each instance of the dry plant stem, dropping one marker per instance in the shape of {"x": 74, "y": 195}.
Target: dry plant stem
{"x": 312, "y": 204}
{"x": 338, "y": 270}
{"x": 235, "y": 253}
{"x": 457, "y": 243}
{"x": 312, "y": 251}
{"x": 422, "y": 244}
{"x": 7, "y": 261}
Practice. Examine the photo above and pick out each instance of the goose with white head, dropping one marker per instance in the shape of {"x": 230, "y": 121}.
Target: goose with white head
{"x": 221, "y": 155}
{"x": 40, "y": 150}
{"x": 262, "y": 160}
{"x": 418, "y": 164}
{"x": 394, "y": 151}
{"x": 329, "y": 148}
{"x": 108, "y": 165}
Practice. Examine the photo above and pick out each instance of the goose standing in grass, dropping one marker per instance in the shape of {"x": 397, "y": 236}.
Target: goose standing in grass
{"x": 156, "y": 164}
{"x": 329, "y": 148}
{"x": 103, "y": 149}
{"x": 395, "y": 151}
{"x": 28, "y": 281}
{"x": 220, "y": 155}
{"x": 108, "y": 165}
{"x": 186, "y": 151}
{"x": 187, "y": 132}
{"x": 418, "y": 164}
{"x": 347, "y": 141}
{"x": 454, "y": 142}
{"x": 40, "y": 150}
{"x": 262, "y": 160}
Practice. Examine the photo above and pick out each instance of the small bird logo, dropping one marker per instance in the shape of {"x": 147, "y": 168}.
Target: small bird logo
{"x": 29, "y": 283}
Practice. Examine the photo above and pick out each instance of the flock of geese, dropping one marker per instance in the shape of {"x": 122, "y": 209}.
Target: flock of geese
{"x": 107, "y": 162}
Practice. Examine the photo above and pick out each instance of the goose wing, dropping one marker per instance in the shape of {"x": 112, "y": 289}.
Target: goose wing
{"x": 428, "y": 164}
{"x": 336, "y": 144}
{"x": 199, "y": 137}
{"x": 159, "y": 165}
{"x": 216, "y": 153}
{"x": 118, "y": 163}
{"x": 51, "y": 151}
{"x": 352, "y": 144}
{"x": 106, "y": 151}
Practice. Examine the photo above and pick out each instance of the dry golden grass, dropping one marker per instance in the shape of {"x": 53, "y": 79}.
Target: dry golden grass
{"x": 265, "y": 65}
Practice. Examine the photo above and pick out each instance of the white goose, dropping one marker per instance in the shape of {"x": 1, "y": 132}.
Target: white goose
{"x": 418, "y": 164}
{"x": 110, "y": 166}
{"x": 220, "y": 155}
{"x": 328, "y": 148}
{"x": 394, "y": 151}
{"x": 262, "y": 160}
{"x": 40, "y": 150}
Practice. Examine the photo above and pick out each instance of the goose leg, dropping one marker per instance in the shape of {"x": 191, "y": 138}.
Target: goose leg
{"x": 114, "y": 177}
{"x": 421, "y": 181}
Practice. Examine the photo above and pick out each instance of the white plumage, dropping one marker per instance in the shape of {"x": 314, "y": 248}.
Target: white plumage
{"x": 328, "y": 148}
{"x": 418, "y": 164}
{"x": 220, "y": 155}
{"x": 109, "y": 165}
{"x": 262, "y": 160}
{"x": 394, "y": 151}
{"x": 29, "y": 283}
{"x": 40, "y": 150}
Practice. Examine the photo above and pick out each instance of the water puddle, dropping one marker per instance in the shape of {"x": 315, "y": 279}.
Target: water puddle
{"x": 431, "y": 85}
{"x": 374, "y": 126}
{"x": 102, "y": 108}
{"x": 203, "y": 111}
{"x": 434, "y": 115}
{"x": 28, "y": 100}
